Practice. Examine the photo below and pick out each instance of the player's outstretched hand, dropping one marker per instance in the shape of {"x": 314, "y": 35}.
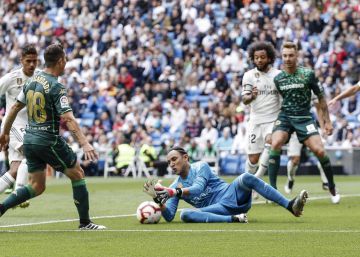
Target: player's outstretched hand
{"x": 89, "y": 153}
{"x": 149, "y": 187}
{"x": 331, "y": 103}
{"x": 4, "y": 142}
{"x": 328, "y": 128}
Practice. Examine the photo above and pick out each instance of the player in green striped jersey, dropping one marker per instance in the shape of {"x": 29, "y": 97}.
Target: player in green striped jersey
{"x": 46, "y": 104}
{"x": 295, "y": 85}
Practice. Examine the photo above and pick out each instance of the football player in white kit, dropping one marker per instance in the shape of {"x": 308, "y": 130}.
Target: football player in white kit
{"x": 10, "y": 85}
{"x": 260, "y": 92}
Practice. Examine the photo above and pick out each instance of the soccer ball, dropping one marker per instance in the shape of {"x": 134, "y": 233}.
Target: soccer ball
{"x": 148, "y": 213}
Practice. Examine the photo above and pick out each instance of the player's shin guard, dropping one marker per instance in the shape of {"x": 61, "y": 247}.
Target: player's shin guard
{"x": 264, "y": 162}
{"x": 250, "y": 167}
{"x": 274, "y": 165}
{"x": 291, "y": 170}
{"x": 22, "y": 175}
{"x": 81, "y": 199}
{"x": 250, "y": 182}
{"x": 17, "y": 197}
{"x": 326, "y": 165}
{"x": 6, "y": 181}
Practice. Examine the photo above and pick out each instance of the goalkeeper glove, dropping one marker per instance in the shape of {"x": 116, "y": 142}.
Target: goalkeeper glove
{"x": 164, "y": 195}
{"x": 149, "y": 187}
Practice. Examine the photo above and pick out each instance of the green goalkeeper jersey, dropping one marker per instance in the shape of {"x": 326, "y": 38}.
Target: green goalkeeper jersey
{"x": 296, "y": 91}
{"x": 45, "y": 99}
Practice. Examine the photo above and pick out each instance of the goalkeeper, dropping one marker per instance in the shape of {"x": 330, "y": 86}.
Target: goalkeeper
{"x": 214, "y": 199}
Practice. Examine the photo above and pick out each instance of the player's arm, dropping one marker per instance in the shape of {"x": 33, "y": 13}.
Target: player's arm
{"x": 324, "y": 117}
{"x": 198, "y": 186}
{"x": 348, "y": 92}
{"x": 168, "y": 210}
{"x": 74, "y": 128}
{"x": 4, "y": 137}
{"x": 323, "y": 111}
{"x": 249, "y": 92}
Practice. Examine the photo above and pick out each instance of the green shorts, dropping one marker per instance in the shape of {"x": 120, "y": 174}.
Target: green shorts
{"x": 304, "y": 126}
{"x": 59, "y": 156}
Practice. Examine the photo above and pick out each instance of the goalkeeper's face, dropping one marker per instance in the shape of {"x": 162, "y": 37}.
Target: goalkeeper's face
{"x": 178, "y": 162}
{"x": 261, "y": 60}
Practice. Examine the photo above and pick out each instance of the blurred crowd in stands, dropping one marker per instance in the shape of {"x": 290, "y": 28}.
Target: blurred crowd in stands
{"x": 163, "y": 72}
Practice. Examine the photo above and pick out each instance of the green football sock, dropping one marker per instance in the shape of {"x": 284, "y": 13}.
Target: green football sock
{"x": 81, "y": 199}
{"x": 326, "y": 165}
{"x": 19, "y": 196}
{"x": 274, "y": 165}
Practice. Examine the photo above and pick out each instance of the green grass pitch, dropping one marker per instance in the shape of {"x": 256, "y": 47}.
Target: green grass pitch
{"x": 48, "y": 226}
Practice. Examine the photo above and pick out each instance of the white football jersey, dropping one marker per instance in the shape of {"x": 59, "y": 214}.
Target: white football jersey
{"x": 10, "y": 85}
{"x": 266, "y": 107}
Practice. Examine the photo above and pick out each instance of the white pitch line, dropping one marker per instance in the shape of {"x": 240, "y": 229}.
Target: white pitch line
{"x": 131, "y": 215}
{"x": 185, "y": 230}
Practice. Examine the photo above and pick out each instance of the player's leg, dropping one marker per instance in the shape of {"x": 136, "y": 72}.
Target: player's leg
{"x": 266, "y": 130}
{"x": 325, "y": 183}
{"x": 35, "y": 187}
{"x": 8, "y": 179}
{"x": 316, "y": 146}
{"x": 278, "y": 138}
{"x": 22, "y": 175}
{"x": 22, "y": 180}
{"x": 255, "y": 146}
{"x": 14, "y": 157}
{"x": 248, "y": 182}
{"x": 294, "y": 152}
{"x": 215, "y": 213}
{"x": 65, "y": 160}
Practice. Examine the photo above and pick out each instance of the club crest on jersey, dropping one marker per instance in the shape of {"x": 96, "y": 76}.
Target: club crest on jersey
{"x": 19, "y": 81}
{"x": 277, "y": 123}
{"x": 64, "y": 102}
{"x": 257, "y": 75}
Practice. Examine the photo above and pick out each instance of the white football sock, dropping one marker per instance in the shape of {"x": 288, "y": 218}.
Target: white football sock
{"x": 251, "y": 167}
{"x": 6, "y": 181}
{"x": 264, "y": 162}
{"x": 291, "y": 170}
{"x": 22, "y": 175}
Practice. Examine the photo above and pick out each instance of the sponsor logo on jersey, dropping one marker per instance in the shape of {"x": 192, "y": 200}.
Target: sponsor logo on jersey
{"x": 64, "y": 102}
{"x": 291, "y": 86}
{"x": 19, "y": 81}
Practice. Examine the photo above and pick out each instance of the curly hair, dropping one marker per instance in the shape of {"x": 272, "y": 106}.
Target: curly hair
{"x": 258, "y": 46}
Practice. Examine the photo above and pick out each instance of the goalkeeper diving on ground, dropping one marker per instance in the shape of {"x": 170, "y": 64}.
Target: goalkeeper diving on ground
{"x": 214, "y": 199}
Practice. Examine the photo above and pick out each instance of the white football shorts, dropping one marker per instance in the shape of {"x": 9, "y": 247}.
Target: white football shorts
{"x": 256, "y": 134}
{"x": 15, "y": 144}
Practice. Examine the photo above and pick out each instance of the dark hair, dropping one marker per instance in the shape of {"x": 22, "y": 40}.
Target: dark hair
{"x": 258, "y": 46}
{"x": 178, "y": 149}
{"x": 52, "y": 54}
{"x": 28, "y": 49}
